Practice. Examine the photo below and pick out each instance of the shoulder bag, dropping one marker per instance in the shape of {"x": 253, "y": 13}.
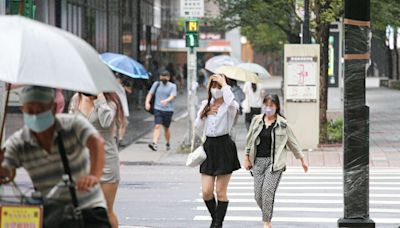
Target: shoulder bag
{"x": 60, "y": 214}
{"x": 197, "y": 156}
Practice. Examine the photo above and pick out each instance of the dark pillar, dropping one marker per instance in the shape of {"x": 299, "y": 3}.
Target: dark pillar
{"x": 356, "y": 116}
{"x": 138, "y": 28}
{"x": 306, "y": 24}
{"x": 57, "y": 9}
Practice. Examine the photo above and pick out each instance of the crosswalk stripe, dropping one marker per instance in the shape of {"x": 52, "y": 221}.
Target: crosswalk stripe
{"x": 328, "y": 170}
{"x": 308, "y": 201}
{"x": 279, "y": 194}
{"x": 315, "y": 188}
{"x": 318, "y": 195}
{"x": 303, "y": 209}
{"x": 317, "y": 178}
{"x": 294, "y": 219}
{"x": 311, "y": 183}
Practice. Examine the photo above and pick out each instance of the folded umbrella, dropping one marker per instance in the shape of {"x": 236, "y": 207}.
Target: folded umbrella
{"x": 255, "y": 68}
{"x": 220, "y": 60}
{"x": 238, "y": 73}
{"x": 124, "y": 65}
{"x": 34, "y": 53}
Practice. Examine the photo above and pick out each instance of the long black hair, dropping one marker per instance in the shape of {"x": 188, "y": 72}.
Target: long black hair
{"x": 254, "y": 87}
{"x": 207, "y": 107}
{"x": 274, "y": 99}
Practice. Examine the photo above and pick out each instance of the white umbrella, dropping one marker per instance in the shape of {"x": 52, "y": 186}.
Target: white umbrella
{"x": 33, "y": 53}
{"x": 220, "y": 60}
{"x": 255, "y": 68}
{"x": 237, "y": 73}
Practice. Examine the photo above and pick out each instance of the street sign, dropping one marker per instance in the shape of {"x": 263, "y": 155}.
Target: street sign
{"x": 192, "y": 8}
{"x": 192, "y": 33}
{"x": 301, "y": 79}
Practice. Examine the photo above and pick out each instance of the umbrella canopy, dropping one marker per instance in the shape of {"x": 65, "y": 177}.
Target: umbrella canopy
{"x": 237, "y": 73}
{"x": 220, "y": 60}
{"x": 124, "y": 65}
{"x": 255, "y": 68}
{"x": 33, "y": 53}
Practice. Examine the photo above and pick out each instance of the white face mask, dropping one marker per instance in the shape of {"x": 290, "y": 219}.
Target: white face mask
{"x": 269, "y": 111}
{"x": 216, "y": 93}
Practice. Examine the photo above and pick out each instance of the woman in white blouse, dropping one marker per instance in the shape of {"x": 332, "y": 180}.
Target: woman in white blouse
{"x": 252, "y": 104}
{"x": 216, "y": 118}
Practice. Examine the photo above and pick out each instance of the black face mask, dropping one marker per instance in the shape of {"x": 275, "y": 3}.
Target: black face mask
{"x": 164, "y": 81}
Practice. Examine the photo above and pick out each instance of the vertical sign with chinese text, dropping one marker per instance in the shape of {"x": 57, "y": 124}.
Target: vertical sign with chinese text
{"x": 302, "y": 79}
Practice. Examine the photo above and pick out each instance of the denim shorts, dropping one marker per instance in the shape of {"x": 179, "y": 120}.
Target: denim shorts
{"x": 163, "y": 117}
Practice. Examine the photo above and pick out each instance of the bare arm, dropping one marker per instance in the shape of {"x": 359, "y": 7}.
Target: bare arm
{"x": 95, "y": 143}
{"x": 148, "y": 99}
{"x": 7, "y": 174}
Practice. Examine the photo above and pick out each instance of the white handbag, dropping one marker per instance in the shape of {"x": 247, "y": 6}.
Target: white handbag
{"x": 196, "y": 157}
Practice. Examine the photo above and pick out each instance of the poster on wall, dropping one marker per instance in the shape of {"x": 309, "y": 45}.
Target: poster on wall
{"x": 302, "y": 79}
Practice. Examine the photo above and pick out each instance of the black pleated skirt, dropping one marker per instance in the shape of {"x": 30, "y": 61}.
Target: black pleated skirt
{"x": 222, "y": 156}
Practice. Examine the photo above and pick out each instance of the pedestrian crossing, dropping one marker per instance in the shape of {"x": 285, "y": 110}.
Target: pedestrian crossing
{"x": 314, "y": 199}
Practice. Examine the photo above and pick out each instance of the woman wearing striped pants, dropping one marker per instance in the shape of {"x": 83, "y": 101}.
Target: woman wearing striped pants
{"x": 268, "y": 141}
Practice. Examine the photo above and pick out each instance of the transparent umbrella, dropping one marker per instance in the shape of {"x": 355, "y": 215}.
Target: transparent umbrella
{"x": 255, "y": 68}
{"x": 220, "y": 60}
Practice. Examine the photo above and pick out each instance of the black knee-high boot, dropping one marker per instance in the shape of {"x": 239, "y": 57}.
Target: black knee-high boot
{"x": 211, "y": 206}
{"x": 220, "y": 213}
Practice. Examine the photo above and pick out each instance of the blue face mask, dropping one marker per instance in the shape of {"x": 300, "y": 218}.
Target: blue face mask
{"x": 39, "y": 123}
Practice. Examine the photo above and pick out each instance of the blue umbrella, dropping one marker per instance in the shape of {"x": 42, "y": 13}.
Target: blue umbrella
{"x": 124, "y": 65}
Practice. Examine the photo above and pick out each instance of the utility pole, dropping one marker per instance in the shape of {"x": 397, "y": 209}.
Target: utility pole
{"x": 356, "y": 116}
{"x": 191, "y": 87}
{"x": 306, "y": 24}
{"x": 192, "y": 41}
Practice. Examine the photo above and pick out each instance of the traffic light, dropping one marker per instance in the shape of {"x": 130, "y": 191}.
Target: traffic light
{"x": 192, "y": 40}
{"x": 192, "y": 33}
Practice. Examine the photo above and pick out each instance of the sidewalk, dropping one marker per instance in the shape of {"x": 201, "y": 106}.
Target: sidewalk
{"x": 384, "y": 139}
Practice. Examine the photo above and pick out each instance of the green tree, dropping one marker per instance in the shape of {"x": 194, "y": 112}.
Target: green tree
{"x": 384, "y": 13}
{"x": 278, "y": 14}
{"x": 326, "y": 12}
{"x": 258, "y": 18}
{"x": 267, "y": 39}
{"x": 282, "y": 15}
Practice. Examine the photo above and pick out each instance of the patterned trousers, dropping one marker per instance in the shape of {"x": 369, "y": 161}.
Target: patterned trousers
{"x": 265, "y": 185}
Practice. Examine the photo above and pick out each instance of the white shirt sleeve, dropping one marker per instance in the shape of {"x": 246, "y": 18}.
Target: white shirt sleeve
{"x": 230, "y": 105}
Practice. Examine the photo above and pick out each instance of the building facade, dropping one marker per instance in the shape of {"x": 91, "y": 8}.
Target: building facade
{"x": 131, "y": 27}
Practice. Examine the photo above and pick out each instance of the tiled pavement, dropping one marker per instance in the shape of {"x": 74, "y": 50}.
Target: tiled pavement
{"x": 384, "y": 133}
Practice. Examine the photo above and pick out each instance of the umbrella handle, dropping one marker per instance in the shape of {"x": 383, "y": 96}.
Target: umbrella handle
{"x": 3, "y": 122}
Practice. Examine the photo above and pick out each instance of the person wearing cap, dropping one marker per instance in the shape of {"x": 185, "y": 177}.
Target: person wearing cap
{"x": 269, "y": 139}
{"x": 35, "y": 148}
